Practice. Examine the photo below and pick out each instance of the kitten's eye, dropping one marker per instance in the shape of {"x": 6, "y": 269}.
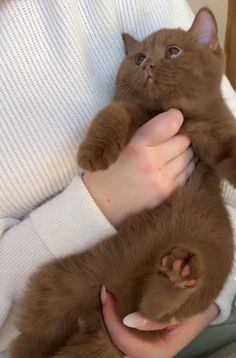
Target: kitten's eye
{"x": 172, "y": 52}
{"x": 139, "y": 58}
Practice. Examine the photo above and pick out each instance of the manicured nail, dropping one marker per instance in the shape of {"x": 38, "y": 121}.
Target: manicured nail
{"x": 103, "y": 295}
{"x": 134, "y": 320}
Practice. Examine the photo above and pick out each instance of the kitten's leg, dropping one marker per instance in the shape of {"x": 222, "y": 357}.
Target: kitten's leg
{"x": 219, "y": 154}
{"x": 22, "y": 349}
{"x": 41, "y": 336}
{"x": 58, "y": 294}
{"x": 89, "y": 344}
{"x": 108, "y": 134}
{"x": 177, "y": 277}
{"x": 188, "y": 277}
{"x": 181, "y": 267}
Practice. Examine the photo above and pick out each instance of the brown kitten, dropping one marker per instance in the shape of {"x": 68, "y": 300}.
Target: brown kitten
{"x": 168, "y": 262}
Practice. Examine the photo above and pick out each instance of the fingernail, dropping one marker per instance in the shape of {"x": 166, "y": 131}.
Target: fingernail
{"x": 103, "y": 295}
{"x": 134, "y": 320}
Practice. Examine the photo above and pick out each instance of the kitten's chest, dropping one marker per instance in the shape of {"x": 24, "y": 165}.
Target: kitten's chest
{"x": 192, "y": 128}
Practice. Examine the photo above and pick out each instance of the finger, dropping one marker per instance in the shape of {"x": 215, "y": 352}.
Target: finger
{"x": 181, "y": 179}
{"x": 178, "y": 165}
{"x": 126, "y": 341}
{"x": 172, "y": 148}
{"x": 136, "y": 320}
{"x": 159, "y": 129}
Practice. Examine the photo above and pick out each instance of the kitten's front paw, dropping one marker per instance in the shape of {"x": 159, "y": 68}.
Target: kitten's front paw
{"x": 181, "y": 267}
{"x": 95, "y": 157}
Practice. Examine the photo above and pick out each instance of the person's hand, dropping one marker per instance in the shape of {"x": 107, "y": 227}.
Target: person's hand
{"x": 178, "y": 336}
{"x": 148, "y": 170}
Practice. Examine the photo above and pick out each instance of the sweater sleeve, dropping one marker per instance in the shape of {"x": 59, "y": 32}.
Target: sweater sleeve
{"x": 69, "y": 222}
{"x": 141, "y": 18}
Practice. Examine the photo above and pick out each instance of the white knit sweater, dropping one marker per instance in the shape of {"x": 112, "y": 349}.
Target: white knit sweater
{"x": 58, "y": 61}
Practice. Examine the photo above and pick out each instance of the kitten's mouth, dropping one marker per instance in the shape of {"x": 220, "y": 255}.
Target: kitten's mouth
{"x": 148, "y": 78}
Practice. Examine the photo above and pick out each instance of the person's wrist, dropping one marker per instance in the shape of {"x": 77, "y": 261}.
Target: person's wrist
{"x": 100, "y": 192}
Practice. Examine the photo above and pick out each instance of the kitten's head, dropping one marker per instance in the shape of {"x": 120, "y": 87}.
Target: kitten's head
{"x": 171, "y": 67}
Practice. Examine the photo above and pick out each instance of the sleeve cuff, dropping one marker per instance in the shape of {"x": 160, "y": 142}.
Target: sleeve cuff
{"x": 225, "y": 300}
{"x": 71, "y": 221}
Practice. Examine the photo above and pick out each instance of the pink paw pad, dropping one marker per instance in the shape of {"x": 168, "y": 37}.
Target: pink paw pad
{"x": 177, "y": 265}
{"x": 178, "y": 270}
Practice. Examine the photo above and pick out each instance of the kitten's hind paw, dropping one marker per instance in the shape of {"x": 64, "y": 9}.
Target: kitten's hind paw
{"x": 181, "y": 267}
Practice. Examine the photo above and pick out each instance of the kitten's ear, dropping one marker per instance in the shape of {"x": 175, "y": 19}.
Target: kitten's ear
{"x": 130, "y": 43}
{"x": 204, "y": 28}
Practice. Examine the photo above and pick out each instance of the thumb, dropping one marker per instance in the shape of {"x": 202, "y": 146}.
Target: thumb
{"x": 159, "y": 129}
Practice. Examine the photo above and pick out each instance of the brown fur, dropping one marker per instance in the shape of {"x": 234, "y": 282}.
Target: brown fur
{"x": 192, "y": 225}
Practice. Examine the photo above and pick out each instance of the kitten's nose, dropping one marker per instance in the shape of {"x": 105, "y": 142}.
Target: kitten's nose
{"x": 148, "y": 66}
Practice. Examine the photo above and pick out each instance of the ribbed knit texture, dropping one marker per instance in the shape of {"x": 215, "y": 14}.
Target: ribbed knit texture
{"x": 58, "y": 62}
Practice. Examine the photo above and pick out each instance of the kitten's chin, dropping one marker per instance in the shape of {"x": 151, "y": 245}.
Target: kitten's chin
{"x": 148, "y": 80}
{"x": 187, "y": 106}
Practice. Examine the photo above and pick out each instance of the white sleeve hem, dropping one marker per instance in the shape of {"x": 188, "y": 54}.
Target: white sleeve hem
{"x": 71, "y": 221}
{"x": 226, "y": 298}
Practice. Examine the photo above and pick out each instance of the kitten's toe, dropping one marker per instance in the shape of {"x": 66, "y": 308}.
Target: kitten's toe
{"x": 181, "y": 267}
{"x": 92, "y": 162}
{"x": 93, "y": 158}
